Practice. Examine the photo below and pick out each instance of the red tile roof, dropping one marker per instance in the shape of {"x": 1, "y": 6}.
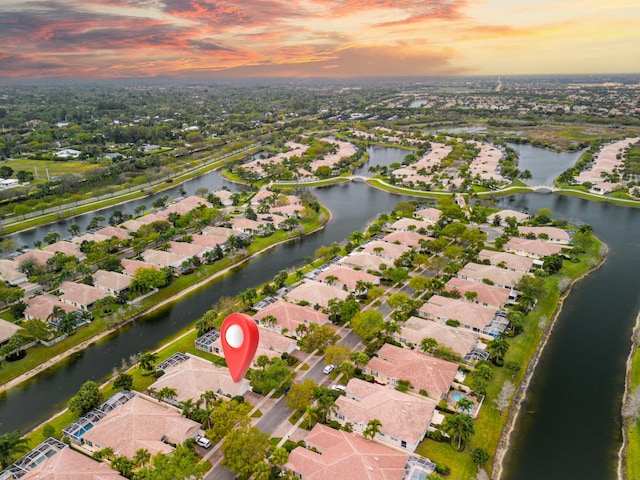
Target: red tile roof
{"x": 345, "y": 456}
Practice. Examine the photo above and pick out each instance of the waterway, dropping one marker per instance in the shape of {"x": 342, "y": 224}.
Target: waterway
{"x": 570, "y": 424}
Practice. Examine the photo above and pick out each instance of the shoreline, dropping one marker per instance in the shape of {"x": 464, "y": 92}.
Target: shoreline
{"x": 622, "y": 453}
{"x": 519, "y": 396}
{"x": 201, "y": 283}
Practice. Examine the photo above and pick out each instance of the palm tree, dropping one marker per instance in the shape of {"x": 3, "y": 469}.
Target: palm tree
{"x": 373, "y": 427}
{"x": 464, "y": 405}
{"x": 188, "y": 406}
{"x": 12, "y": 444}
{"x": 142, "y": 457}
{"x": 497, "y": 349}
{"x": 147, "y": 361}
{"x": 261, "y": 471}
{"x": 74, "y": 230}
{"x": 331, "y": 279}
{"x": 279, "y": 456}
{"x": 459, "y": 427}
{"x": 428, "y": 344}
{"x": 312, "y": 415}
{"x": 168, "y": 393}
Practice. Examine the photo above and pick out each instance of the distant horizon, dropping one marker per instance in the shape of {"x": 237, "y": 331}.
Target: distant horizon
{"x": 625, "y": 78}
{"x": 199, "y": 40}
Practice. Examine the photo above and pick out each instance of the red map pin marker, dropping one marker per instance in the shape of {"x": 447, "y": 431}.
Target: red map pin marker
{"x": 239, "y": 335}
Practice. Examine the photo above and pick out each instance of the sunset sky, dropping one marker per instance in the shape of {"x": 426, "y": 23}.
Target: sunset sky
{"x": 97, "y": 39}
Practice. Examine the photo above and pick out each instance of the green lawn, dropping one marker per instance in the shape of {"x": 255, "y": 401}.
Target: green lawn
{"x": 55, "y": 169}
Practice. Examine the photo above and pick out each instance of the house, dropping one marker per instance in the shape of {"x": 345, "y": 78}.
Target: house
{"x": 54, "y": 460}
{"x": 548, "y": 234}
{"x": 500, "y": 277}
{"x": 7, "y": 329}
{"x": 316, "y": 293}
{"x": 10, "y": 272}
{"x": 536, "y": 249}
{"x": 194, "y": 376}
{"x": 289, "y": 211}
{"x": 390, "y": 251}
{"x": 486, "y": 295}
{"x": 431, "y": 215}
{"x": 261, "y": 197}
{"x": 409, "y": 239}
{"x": 185, "y": 206}
{"x": 504, "y": 214}
{"x": 289, "y": 317}
{"x": 245, "y": 225}
{"x": 66, "y": 248}
{"x": 404, "y": 418}
{"x": 272, "y": 218}
{"x": 338, "y": 454}
{"x": 132, "y": 225}
{"x": 67, "y": 153}
{"x": 465, "y": 343}
{"x": 225, "y": 197}
{"x": 219, "y": 232}
{"x": 80, "y": 295}
{"x": 111, "y": 231}
{"x": 511, "y": 261}
{"x": 140, "y": 423}
{"x": 411, "y": 224}
{"x": 41, "y": 306}
{"x": 113, "y": 283}
{"x": 164, "y": 259}
{"x": 209, "y": 241}
{"x": 188, "y": 249}
{"x": 131, "y": 266}
{"x": 365, "y": 261}
{"x": 39, "y": 257}
{"x": 424, "y": 372}
{"x": 470, "y": 315}
{"x": 89, "y": 237}
{"x": 347, "y": 277}
{"x": 271, "y": 344}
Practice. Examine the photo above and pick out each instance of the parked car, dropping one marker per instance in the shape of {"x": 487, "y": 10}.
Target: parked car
{"x": 203, "y": 441}
{"x": 337, "y": 386}
{"x": 328, "y": 369}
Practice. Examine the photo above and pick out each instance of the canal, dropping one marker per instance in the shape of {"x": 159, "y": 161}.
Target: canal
{"x": 570, "y": 425}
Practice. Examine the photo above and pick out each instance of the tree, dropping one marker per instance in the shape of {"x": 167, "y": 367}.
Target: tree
{"x": 347, "y": 368}
{"x": 318, "y": 337}
{"x": 147, "y": 361}
{"x": 124, "y": 381}
{"x": 428, "y": 345}
{"x": 464, "y": 405}
{"x": 279, "y": 456}
{"x": 301, "y": 395}
{"x": 146, "y": 279}
{"x": 181, "y": 463}
{"x": 166, "y": 392}
{"x": 225, "y": 416}
{"x": 123, "y": 465}
{"x": 367, "y": 324}
{"x": 275, "y": 375}
{"x": 51, "y": 238}
{"x": 244, "y": 448}
{"x": 336, "y": 354}
{"x": 373, "y": 427}
{"x": 459, "y": 427}
{"x": 419, "y": 283}
{"x": 141, "y": 457}
{"x": 74, "y": 230}
{"x": 359, "y": 359}
{"x": 12, "y": 444}
{"x": 480, "y": 456}
{"x": 497, "y": 348}
{"x": 87, "y": 398}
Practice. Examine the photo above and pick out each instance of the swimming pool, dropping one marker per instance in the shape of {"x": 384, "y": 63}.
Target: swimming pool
{"x": 457, "y": 397}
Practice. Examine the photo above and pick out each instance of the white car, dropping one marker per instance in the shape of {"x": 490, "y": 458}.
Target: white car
{"x": 328, "y": 369}
{"x": 203, "y": 441}
{"x": 338, "y": 387}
